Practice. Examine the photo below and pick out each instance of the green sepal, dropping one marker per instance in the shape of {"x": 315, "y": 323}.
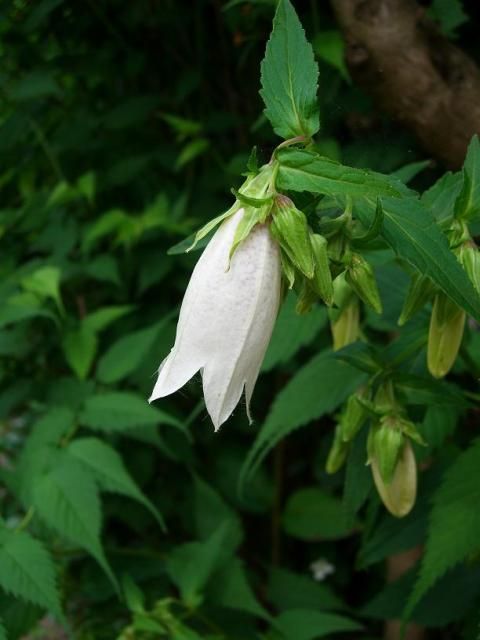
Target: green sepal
{"x": 419, "y": 292}
{"x": 306, "y": 298}
{"x": 322, "y": 278}
{"x": 288, "y": 270}
{"x": 337, "y": 454}
{"x": 470, "y": 259}
{"x": 205, "y": 230}
{"x": 252, "y": 162}
{"x": 249, "y": 201}
{"x": 290, "y": 228}
{"x": 250, "y": 218}
{"x": 387, "y": 443}
{"x": 361, "y": 278}
{"x": 445, "y": 334}
{"x": 353, "y": 418}
{"x": 411, "y": 431}
{"x": 373, "y": 231}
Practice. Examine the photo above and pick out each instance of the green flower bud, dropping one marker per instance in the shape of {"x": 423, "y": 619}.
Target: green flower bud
{"x": 445, "y": 334}
{"x": 361, "y": 278}
{"x": 346, "y": 325}
{"x": 419, "y": 293}
{"x": 470, "y": 258}
{"x": 352, "y": 418}
{"x": 289, "y": 226}
{"x": 322, "y": 278}
{"x": 387, "y": 442}
{"x": 400, "y": 493}
{"x": 337, "y": 454}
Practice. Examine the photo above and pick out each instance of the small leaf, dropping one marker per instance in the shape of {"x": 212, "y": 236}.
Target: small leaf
{"x": 289, "y": 76}
{"x": 66, "y": 499}
{"x": 80, "y": 348}
{"x": 303, "y": 624}
{"x": 45, "y": 282}
{"x": 467, "y": 204}
{"x": 306, "y": 171}
{"x": 456, "y": 501}
{"x": 102, "y": 318}
{"x": 109, "y": 471}
{"x": 313, "y": 514}
{"x": 27, "y": 570}
{"x": 120, "y": 411}
{"x": 317, "y": 388}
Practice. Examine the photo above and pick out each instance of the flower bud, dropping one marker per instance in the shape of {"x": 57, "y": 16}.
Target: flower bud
{"x": 346, "y": 325}
{"x": 290, "y": 228}
{"x": 470, "y": 258}
{"x": 352, "y": 418}
{"x": 419, "y": 293}
{"x": 445, "y": 334}
{"x": 387, "y": 442}
{"x": 322, "y": 278}
{"x": 400, "y": 493}
{"x": 361, "y": 278}
{"x": 337, "y": 454}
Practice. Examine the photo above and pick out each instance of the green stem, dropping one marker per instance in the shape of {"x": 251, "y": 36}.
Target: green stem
{"x": 23, "y": 524}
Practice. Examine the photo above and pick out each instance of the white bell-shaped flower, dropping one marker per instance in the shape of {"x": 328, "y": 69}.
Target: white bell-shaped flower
{"x": 226, "y": 320}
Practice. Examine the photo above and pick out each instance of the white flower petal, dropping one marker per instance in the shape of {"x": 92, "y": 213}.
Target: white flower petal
{"x": 226, "y": 320}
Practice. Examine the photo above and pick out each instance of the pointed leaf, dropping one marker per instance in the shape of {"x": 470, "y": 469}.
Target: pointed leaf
{"x": 289, "y": 76}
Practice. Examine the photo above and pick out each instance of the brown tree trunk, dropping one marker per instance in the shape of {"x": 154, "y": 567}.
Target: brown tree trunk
{"x": 397, "y": 55}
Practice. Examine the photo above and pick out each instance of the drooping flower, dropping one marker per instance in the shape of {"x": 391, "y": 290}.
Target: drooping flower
{"x": 226, "y": 319}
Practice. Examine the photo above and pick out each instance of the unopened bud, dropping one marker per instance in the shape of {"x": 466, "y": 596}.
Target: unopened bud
{"x": 345, "y": 325}
{"x": 352, "y": 418}
{"x": 400, "y": 493}
{"x": 470, "y": 258}
{"x": 361, "y": 278}
{"x": 290, "y": 228}
{"x": 387, "y": 442}
{"x": 322, "y": 278}
{"x": 445, "y": 334}
{"x": 337, "y": 454}
{"x": 419, "y": 293}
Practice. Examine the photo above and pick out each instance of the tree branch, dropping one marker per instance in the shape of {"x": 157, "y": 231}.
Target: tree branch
{"x": 415, "y": 74}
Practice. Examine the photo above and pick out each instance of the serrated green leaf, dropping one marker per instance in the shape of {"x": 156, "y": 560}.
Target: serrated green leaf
{"x": 231, "y": 589}
{"x": 27, "y": 571}
{"x": 289, "y": 76}
{"x": 110, "y": 472}
{"x": 120, "y": 411}
{"x": 303, "y": 624}
{"x": 66, "y": 499}
{"x": 412, "y": 233}
{"x": 307, "y": 171}
{"x": 191, "y": 565}
{"x": 80, "y": 348}
{"x": 456, "y": 501}
{"x": 45, "y": 282}
{"x": 318, "y": 388}
{"x": 125, "y": 355}
{"x": 102, "y": 318}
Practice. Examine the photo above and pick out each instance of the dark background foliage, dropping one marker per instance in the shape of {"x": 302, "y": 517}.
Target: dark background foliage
{"x": 123, "y": 126}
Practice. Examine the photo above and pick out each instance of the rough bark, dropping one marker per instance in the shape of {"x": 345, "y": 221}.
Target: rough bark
{"x": 396, "y": 53}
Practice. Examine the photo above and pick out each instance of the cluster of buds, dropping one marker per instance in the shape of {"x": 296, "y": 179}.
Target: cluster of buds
{"x": 354, "y": 279}
{"x": 447, "y": 320}
{"x": 389, "y": 448}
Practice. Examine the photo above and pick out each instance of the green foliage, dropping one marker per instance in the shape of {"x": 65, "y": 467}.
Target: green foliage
{"x": 289, "y": 77}
{"x": 27, "y": 570}
{"x": 124, "y": 128}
